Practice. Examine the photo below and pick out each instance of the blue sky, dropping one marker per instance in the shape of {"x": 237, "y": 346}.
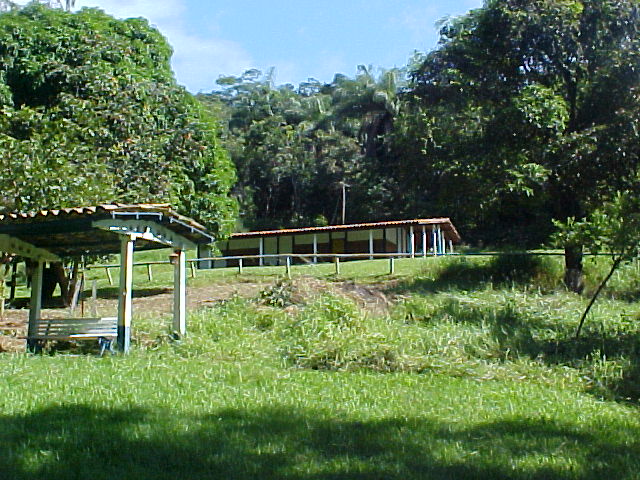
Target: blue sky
{"x": 300, "y": 39}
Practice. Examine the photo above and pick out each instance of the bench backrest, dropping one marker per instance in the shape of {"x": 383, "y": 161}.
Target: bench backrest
{"x": 72, "y": 328}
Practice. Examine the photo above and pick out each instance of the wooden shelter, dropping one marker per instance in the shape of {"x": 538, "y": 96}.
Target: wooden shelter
{"x": 415, "y": 237}
{"x": 50, "y": 235}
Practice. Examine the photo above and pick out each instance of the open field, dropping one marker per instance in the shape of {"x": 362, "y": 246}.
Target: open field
{"x": 450, "y": 368}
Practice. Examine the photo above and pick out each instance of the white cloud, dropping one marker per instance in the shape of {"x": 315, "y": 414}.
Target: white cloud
{"x": 157, "y": 11}
{"x": 198, "y": 59}
{"x": 422, "y": 21}
{"x": 198, "y": 62}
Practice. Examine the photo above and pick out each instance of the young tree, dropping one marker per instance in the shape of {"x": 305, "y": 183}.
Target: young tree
{"x": 612, "y": 229}
{"x": 537, "y": 96}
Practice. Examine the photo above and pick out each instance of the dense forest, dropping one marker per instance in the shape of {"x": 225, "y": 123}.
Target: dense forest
{"x": 522, "y": 126}
{"x": 523, "y": 119}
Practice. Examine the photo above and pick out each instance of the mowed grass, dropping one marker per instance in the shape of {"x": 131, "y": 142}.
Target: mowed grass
{"x": 472, "y": 373}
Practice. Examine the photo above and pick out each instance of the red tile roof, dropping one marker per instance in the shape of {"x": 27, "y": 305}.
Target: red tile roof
{"x": 444, "y": 223}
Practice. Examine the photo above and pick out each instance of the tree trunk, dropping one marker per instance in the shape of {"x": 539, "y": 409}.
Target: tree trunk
{"x": 573, "y": 274}
{"x": 52, "y": 277}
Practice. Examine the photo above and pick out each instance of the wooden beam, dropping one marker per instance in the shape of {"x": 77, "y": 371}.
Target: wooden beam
{"x": 180, "y": 294}
{"x": 19, "y": 247}
{"x": 146, "y": 230}
{"x": 36, "y": 305}
{"x": 125, "y": 304}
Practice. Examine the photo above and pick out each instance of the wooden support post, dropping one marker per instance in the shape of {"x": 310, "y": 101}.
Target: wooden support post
{"x": 109, "y": 277}
{"x": 370, "y": 244}
{"x": 94, "y": 299}
{"x": 14, "y": 281}
{"x": 261, "y": 251}
{"x": 399, "y": 239}
{"x": 288, "y": 267}
{"x": 149, "y": 272}
{"x": 440, "y": 242}
{"x": 125, "y": 304}
{"x": 337, "y": 262}
{"x": 204, "y": 251}
{"x": 392, "y": 268}
{"x": 384, "y": 240}
{"x": 35, "y": 306}
{"x": 240, "y": 266}
{"x": 450, "y": 247}
{"x": 180, "y": 294}
{"x": 75, "y": 296}
{"x": 424, "y": 241}
{"x": 315, "y": 248}
{"x": 412, "y": 243}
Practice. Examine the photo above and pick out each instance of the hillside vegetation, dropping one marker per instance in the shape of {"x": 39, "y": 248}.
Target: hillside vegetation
{"x": 451, "y": 368}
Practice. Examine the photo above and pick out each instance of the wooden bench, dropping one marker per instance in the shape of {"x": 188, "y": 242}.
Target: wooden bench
{"x": 102, "y": 329}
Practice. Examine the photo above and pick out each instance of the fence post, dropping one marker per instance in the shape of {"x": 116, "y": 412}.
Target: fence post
{"x": 288, "y": 267}
{"x": 337, "y": 262}
{"x": 149, "y": 272}
{"x": 193, "y": 269}
{"x": 94, "y": 298}
{"x": 109, "y": 277}
{"x": 240, "y": 266}
{"x": 392, "y": 267}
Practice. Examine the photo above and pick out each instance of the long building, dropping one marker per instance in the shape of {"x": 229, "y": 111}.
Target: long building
{"x": 423, "y": 236}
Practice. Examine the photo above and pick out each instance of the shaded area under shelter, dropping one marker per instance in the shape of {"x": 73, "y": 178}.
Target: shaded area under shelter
{"x": 52, "y": 235}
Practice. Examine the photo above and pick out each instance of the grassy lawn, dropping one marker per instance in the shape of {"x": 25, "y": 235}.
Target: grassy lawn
{"x": 472, "y": 372}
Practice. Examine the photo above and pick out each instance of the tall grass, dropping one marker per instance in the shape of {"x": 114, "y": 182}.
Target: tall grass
{"x": 471, "y": 372}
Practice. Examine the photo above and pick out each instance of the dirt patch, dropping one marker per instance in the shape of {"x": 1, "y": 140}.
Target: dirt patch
{"x": 300, "y": 290}
{"x": 13, "y": 327}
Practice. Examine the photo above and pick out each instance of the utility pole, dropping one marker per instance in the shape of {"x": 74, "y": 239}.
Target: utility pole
{"x": 344, "y": 201}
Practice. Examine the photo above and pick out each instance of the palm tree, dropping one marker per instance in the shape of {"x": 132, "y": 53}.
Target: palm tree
{"x": 372, "y": 102}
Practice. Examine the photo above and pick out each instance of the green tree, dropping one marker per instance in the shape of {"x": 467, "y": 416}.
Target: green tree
{"x": 91, "y": 113}
{"x": 612, "y": 229}
{"x": 536, "y": 96}
{"x": 289, "y": 154}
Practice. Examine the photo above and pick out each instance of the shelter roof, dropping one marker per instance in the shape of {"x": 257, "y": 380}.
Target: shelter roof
{"x": 74, "y": 231}
{"x": 445, "y": 224}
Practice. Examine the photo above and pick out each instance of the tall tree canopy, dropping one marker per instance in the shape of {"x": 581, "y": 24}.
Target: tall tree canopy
{"x": 294, "y": 148}
{"x": 536, "y": 96}
{"x": 91, "y": 113}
